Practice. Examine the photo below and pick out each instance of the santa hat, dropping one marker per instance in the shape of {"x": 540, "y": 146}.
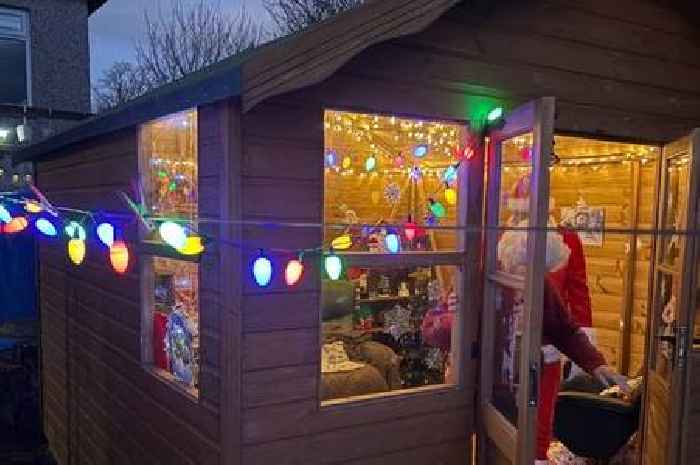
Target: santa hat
{"x": 519, "y": 196}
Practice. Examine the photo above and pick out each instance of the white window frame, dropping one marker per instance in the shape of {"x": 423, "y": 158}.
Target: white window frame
{"x": 25, "y": 35}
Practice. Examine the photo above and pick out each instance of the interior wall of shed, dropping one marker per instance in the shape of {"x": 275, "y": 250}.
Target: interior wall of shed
{"x": 612, "y": 184}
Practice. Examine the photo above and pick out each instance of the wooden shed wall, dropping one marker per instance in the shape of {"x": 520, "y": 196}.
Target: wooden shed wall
{"x": 101, "y": 405}
{"x": 615, "y": 69}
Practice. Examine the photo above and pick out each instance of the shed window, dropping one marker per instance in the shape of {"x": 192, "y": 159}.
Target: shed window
{"x": 14, "y": 56}
{"x": 390, "y": 321}
{"x": 168, "y": 177}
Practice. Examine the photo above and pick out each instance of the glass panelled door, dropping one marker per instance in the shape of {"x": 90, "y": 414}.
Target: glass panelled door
{"x": 517, "y": 210}
{"x": 672, "y": 305}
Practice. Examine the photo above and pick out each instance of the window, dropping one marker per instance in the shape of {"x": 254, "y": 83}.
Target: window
{"x": 168, "y": 175}
{"x": 390, "y": 320}
{"x": 14, "y": 57}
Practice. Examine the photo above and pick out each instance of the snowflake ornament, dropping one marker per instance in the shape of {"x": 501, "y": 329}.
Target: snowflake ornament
{"x": 392, "y": 193}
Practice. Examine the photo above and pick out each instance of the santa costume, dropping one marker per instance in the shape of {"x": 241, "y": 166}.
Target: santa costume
{"x": 569, "y": 279}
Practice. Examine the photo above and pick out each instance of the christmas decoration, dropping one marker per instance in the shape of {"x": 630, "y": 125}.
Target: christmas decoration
{"x": 262, "y": 270}
{"x": 179, "y": 338}
{"x": 347, "y": 162}
{"x": 76, "y": 230}
{"x": 392, "y": 193}
{"x": 105, "y": 232}
{"x": 173, "y": 234}
{"x": 32, "y": 206}
{"x": 343, "y": 242}
{"x": 16, "y": 225}
{"x": 5, "y": 216}
{"x": 331, "y": 159}
{"x": 193, "y": 246}
{"x": 334, "y": 266}
{"x": 393, "y": 243}
{"x": 421, "y": 150}
{"x": 76, "y": 251}
{"x": 370, "y": 163}
{"x": 437, "y": 208}
{"x": 293, "y": 272}
{"x": 119, "y": 257}
{"x": 450, "y": 196}
{"x": 45, "y": 227}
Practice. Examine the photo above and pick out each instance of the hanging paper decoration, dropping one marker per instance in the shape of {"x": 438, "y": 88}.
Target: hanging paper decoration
{"x": 45, "y": 227}
{"x": 347, "y": 162}
{"x": 32, "y": 206}
{"x": 450, "y": 174}
{"x": 399, "y": 161}
{"x": 370, "y": 163}
{"x": 119, "y": 257}
{"x": 416, "y": 173}
{"x": 331, "y": 159}
{"x": 17, "y": 224}
{"x": 393, "y": 243}
{"x": 76, "y": 251}
{"x": 334, "y": 266}
{"x": 450, "y": 196}
{"x": 293, "y": 272}
{"x": 193, "y": 246}
{"x": 76, "y": 230}
{"x": 421, "y": 150}
{"x": 173, "y": 234}
{"x": 105, "y": 232}
{"x": 437, "y": 209}
{"x": 343, "y": 242}
{"x": 262, "y": 270}
{"x": 392, "y": 193}
{"x": 5, "y": 216}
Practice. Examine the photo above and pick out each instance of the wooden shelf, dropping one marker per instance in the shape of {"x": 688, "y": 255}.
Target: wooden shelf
{"x": 379, "y": 299}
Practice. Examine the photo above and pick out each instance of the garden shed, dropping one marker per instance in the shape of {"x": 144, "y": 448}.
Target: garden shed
{"x": 349, "y": 183}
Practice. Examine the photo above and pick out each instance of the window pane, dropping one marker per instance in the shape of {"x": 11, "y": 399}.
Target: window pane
{"x": 516, "y": 166}
{"x": 389, "y": 329}
{"x": 169, "y": 166}
{"x": 508, "y": 313}
{"x": 390, "y": 170}
{"x": 176, "y": 319}
{"x": 11, "y": 22}
{"x": 676, "y": 196}
{"x": 665, "y": 317}
{"x": 13, "y": 78}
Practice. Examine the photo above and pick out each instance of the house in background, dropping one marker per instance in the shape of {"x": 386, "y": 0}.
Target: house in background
{"x": 44, "y": 46}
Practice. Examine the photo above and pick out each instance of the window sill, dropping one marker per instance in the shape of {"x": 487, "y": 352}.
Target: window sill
{"x": 169, "y": 380}
{"x": 386, "y": 397}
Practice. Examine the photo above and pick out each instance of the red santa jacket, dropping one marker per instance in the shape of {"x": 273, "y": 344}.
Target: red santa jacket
{"x": 571, "y": 281}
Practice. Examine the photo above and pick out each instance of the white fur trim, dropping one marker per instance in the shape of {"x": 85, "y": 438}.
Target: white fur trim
{"x": 550, "y": 354}
{"x": 512, "y": 250}
{"x": 591, "y": 333}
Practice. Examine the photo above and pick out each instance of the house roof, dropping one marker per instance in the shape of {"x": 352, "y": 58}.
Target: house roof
{"x": 94, "y": 5}
{"x": 284, "y": 65}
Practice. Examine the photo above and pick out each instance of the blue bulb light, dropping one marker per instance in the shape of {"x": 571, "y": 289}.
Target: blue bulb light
{"x": 105, "y": 232}
{"x": 370, "y": 163}
{"x": 262, "y": 271}
{"x": 450, "y": 174}
{"x": 420, "y": 151}
{"x": 46, "y": 227}
{"x": 5, "y": 216}
{"x": 75, "y": 230}
{"x": 393, "y": 243}
{"x": 331, "y": 159}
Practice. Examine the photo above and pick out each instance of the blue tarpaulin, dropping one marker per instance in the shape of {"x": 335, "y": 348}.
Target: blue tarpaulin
{"x": 17, "y": 278}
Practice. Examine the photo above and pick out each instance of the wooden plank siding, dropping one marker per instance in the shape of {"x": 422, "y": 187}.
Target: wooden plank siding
{"x": 101, "y": 406}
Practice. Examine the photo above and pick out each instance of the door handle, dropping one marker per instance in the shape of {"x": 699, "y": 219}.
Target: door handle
{"x": 534, "y": 376}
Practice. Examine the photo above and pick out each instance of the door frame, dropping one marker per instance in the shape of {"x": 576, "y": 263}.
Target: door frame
{"x": 517, "y": 444}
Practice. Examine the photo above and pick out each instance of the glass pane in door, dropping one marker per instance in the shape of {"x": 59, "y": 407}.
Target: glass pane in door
{"x": 665, "y": 322}
{"x": 514, "y": 202}
{"x": 676, "y": 201}
{"x": 509, "y": 308}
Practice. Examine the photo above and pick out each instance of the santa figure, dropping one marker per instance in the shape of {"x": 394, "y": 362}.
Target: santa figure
{"x": 568, "y": 279}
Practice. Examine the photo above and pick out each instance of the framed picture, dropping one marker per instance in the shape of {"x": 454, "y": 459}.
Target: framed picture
{"x": 590, "y": 221}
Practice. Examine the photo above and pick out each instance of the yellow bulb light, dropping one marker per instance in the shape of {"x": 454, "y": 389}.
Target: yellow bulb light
{"x": 450, "y": 196}
{"x": 193, "y": 246}
{"x": 76, "y": 251}
{"x": 32, "y": 207}
{"x": 343, "y": 242}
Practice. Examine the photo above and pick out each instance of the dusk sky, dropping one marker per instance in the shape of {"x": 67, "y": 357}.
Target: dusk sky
{"x": 115, "y": 27}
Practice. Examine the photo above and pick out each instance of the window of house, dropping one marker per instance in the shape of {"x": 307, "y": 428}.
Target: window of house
{"x": 390, "y": 319}
{"x": 14, "y": 57}
{"x": 168, "y": 177}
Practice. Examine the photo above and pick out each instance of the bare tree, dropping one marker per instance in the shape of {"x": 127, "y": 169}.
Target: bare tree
{"x": 191, "y": 38}
{"x": 120, "y": 83}
{"x": 296, "y": 15}
{"x": 175, "y": 43}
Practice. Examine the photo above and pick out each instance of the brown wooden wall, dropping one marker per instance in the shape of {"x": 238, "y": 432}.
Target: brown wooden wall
{"x": 101, "y": 405}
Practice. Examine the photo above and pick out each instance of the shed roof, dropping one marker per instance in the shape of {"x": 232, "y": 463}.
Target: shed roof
{"x": 286, "y": 64}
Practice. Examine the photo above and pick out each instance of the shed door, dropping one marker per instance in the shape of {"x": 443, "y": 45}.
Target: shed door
{"x": 673, "y": 305}
{"x": 517, "y": 196}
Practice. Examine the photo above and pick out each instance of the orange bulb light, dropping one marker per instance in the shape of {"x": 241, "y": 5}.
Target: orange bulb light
{"x": 32, "y": 207}
{"x": 119, "y": 257}
{"x": 294, "y": 271}
{"x": 18, "y": 224}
